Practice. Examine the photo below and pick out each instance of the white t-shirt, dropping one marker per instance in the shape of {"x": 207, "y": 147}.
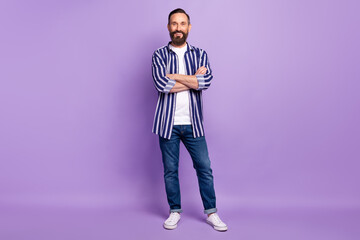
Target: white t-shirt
{"x": 182, "y": 110}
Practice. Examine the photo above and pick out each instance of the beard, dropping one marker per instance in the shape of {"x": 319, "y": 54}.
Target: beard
{"x": 178, "y": 41}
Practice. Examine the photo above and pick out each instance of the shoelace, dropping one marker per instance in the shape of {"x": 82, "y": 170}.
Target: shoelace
{"x": 172, "y": 216}
{"x": 216, "y": 218}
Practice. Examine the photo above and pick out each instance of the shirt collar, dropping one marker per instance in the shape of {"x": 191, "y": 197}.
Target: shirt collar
{"x": 189, "y": 47}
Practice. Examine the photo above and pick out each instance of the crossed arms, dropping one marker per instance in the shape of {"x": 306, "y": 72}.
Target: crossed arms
{"x": 186, "y": 82}
{"x": 171, "y": 83}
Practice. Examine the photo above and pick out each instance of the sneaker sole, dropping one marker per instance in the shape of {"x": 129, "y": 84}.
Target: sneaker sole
{"x": 220, "y": 229}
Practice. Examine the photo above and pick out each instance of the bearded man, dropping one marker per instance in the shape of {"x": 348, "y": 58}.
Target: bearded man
{"x": 181, "y": 72}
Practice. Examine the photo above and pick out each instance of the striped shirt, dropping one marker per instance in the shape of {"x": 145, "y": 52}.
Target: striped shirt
{"x": 165, "y": 61}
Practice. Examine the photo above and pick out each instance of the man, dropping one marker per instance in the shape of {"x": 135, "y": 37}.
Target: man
{"x": 180, "y": 72}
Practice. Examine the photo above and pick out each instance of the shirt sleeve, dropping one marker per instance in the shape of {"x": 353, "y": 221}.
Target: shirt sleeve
{"x": 162, "y": 83}
{"x": 204, "y": 80}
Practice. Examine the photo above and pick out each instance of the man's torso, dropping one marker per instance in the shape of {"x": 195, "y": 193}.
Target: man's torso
{"x": 164, "y": 62}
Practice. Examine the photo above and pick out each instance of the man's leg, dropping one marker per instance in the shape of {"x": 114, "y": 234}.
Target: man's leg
{"x": 197, "y": 148}
{"x": 170, "y": 157}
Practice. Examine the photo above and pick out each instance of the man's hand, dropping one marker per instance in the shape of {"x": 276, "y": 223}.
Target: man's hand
{"x": 171, "y": 76}
{"x": 201, "y": 70}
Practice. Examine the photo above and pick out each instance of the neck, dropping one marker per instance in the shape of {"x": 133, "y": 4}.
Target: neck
{"x": 178, "y": 46}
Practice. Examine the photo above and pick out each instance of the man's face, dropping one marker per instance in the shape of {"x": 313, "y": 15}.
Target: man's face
{"x": 179, "y": 28}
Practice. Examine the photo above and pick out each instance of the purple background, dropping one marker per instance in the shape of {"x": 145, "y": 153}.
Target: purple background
{"x": 78, "y": 158}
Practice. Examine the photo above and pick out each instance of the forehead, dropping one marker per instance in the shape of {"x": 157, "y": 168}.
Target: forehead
{"x": 178, "y": 17}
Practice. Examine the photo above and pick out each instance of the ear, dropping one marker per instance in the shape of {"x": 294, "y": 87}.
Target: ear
{"x": 168, "y": 27}
{"x": 189, "y": 27}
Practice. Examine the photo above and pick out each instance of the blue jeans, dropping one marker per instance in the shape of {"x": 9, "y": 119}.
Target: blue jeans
{"x": 197, "y": 148}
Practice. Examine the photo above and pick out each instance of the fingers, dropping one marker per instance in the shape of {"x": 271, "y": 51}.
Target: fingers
{"x": 171, "y": 76}
{"x": 201, "y": 70}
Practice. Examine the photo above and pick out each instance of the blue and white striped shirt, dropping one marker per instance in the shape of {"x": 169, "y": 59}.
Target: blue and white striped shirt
{"x": 165, "y": 61}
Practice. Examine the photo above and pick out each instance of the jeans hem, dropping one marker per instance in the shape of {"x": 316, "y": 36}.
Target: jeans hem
{"x": 176, "y": 210}
{"x": 211, "y": 210}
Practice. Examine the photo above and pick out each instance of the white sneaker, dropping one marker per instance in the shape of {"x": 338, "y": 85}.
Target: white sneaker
{"x": 171, "y": 222}
{"x": 215, "y": 221}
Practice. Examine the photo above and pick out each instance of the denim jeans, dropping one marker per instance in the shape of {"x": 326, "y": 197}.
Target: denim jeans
{"x": 197, "y": 148}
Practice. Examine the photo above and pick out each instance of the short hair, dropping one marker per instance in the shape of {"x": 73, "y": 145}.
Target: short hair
{"x": 178, "y": 10}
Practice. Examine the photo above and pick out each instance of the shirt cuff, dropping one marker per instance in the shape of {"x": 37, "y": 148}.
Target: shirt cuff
{"x": 201, "y": 81}
{"x": 170, "y": 84}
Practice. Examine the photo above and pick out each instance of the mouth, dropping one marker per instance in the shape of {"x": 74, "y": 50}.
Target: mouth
{"x": 178, "y": 34}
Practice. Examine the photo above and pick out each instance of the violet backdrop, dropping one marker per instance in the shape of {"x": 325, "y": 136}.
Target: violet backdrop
{"x": 77, "y": 103}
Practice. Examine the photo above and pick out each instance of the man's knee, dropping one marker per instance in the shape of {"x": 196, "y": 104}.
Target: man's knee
{"x": 203, "y": 166}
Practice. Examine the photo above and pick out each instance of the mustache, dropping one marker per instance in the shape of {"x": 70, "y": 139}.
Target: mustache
{"x": 175, "y": 32}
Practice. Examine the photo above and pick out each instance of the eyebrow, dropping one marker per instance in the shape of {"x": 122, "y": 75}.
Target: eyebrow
{"x": 176, "y": 22}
